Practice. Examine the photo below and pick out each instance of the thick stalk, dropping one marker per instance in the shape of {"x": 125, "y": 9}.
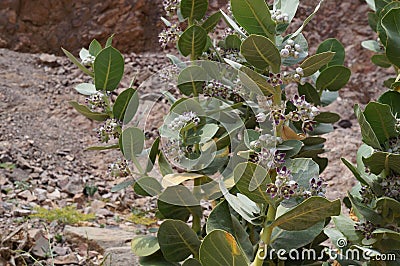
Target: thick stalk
{"x": 265, "y": 237}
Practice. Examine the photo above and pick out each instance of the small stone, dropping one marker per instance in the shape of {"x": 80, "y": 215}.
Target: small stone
{"x": 61, "y": 251}
{"x": 69, "y": 158}
{"x": 97, "y": 204}
{"x": 27, "y": 195}
{"x": 65, "y": 260}
{"x": 40, "y": 193}
{"x": 345, "y": 123}
{"x": 56, "y": 194}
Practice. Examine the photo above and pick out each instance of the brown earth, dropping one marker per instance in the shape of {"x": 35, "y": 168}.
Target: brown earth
{"x": 45, "y": 138}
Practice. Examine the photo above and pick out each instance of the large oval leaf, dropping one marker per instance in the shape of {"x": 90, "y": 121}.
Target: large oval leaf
{"x": 194, "y": 9}
{"x": 307, "y": 213}
{"x": 333, "y": 78}
{"x": 144, "y": 245}
{"x": 177, "y": 240}
{"x": 391, "y": 24}
{"x": 261, "y": 53}
{"x": 252, "y": 180}
{"x": 132, "y": 142}
{"x": 86, "y": 88}
{"x": 219, "y": 248}
{"x": 108, "y": 69}
{"x": 147, "y": 186}
{"x": 310, "y": 92}
{"x": 315, "y": 62}
{"x": 212, "y": 21}
{"x": 332, "y": 45}
{"x": 254, "y": 16}
{"x": 192, "y": 41}
{"x": 382, "y": 121}
{"x": 380, "y": 161}
{"x": 391, "y": 98}
{"x": 122, "y": 104}
{"x": 368, "y": 135}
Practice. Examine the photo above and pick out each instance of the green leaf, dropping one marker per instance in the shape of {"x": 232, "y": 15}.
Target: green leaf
{"x": 212, "y": 21}
{"x": 109, "y": 41}
{"x": 122, "y": 103}
{"x": 178, "y": 202}
{"x": 310, "y": 92}
{"x": 144, "y": 245}
{"x": 219, "y": 248}
{"x": 364, "y": 210}
{"x": 333, "y": 78}
{"x": 156, "y": 259}
{"x": 261, "y": 82}
{"x": 233, "y": 42}
{"x": 163, "y": 164}
{"x": 373, "y": 20}
{"x": 147, "y": 186}
{"x": 251, "y": 180}
{"x": 95, "y": 48}
{"x": 177, "y": 240}
{"x": 368, "y": 135}
{"x": 191, "y": 80}
{"x": 178, "y": 178}
{"x": 381, "y": 60}
{"x": 123, "y": 185}
{"x": 332, "y": 45}
{"x": 194, "y": 9}
{"x": 233, "y": 24}
{"x": 242, "y": 205}
{"x": 133, "y": 142}
{"x": 84, "y": 110}
{"x": 154, "y": 151}
{"x": 307, "y": 213}
{"x": 391, "y": 98}
{"x": 389, "y": 208}
{"x": 372, "y": 46}
{"x": 380, "y": 161}
{"x": 86, "y": 88}
{"x": 261, "y": 53}
{"x": 77, "y": 63}
{"x": 291, "y": 240}
{"x": 108, "y": 69}
{"x": 192, "y": 41}
{"x": 254, "y": 16}
{"x": 294, "y": 145}
{"x": 355, "y": 171}
{"x": 220, "y": 218}
{"x": 346, "y": 226}
{"x": 382, "y": 121}
{"x": 391, "y": 24}
{"x": 315, "y": 62}
{"x": 327, "y": 117}
{"x": 328, "y": 97}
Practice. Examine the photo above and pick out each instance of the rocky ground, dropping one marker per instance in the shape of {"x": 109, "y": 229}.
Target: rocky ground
{"x": 43, "y": 161}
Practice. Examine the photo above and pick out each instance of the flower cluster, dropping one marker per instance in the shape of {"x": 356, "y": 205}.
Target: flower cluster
{"x": 96, "y": 100}
{"x": 88, "y": 60}
{"x": 173, "y": 150}
{"x": 284, "y": 186}
{"x": 110, "y": 128}
{"x": 119, "y": 169}
{"x": 279, "y": 17}
{"x": 367, "y": 194}
{"x": 366, "y": 229}
{"x": 394, "y": 145}
{"x": 291, "y": 49}
{"x": 265, "y": 152}
{"x": 391, "y": 186}
{"x": 305, "y": 112}
{"x": 169, "y": 35}
{"x": 171, "y": 6}
{"x": 215, "y": 88}
{"x": 183, "y": 119}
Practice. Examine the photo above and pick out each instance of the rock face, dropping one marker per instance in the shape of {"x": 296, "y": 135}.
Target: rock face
{"x": 46, "y": 25}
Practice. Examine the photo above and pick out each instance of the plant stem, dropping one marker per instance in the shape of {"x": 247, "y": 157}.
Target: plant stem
{"x": 265, "y": 237}
{"x": 196, "y": 225}
{"x": 137, "y": 164}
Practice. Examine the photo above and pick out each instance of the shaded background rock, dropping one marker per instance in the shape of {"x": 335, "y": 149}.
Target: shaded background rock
{"x": 46, "y": 25}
